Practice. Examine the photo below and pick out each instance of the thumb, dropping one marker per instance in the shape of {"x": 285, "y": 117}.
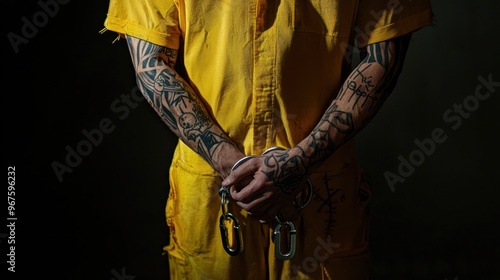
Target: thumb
{"x": 240, "y": 170}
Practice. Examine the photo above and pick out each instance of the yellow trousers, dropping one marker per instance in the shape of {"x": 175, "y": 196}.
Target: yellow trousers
{"x": 332, "y": 231}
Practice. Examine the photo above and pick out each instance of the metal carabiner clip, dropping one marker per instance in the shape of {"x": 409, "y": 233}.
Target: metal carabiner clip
{"x": 291, "y": 237}
{"x": 238, "y": 246}
{"x": 228, "y": 216}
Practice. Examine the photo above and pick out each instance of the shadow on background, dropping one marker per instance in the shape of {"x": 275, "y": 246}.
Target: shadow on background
{"x": 69, "y": 97}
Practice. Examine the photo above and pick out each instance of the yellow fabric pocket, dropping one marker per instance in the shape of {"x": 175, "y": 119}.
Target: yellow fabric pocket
{"x": 193, "y": 210}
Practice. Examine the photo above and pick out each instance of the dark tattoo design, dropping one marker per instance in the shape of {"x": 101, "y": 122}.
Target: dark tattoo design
{"x": 362, "y": 94}
{"x": 359, "y": 86}
{"x": 342, "y": 121}
{"x": 171, "y": 57}
{"x": 378, "y": 53}
{"x": 322, "y": 138}
{"x": 173, "y": 99}
{"x": 329, "y": 198}
{"x": 322, "y": 143}
{"x": 287, "y": 172}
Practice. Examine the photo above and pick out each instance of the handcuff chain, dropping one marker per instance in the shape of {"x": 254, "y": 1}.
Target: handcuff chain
{"x": 228, "y": 216}
{"x": 282, "y": 222}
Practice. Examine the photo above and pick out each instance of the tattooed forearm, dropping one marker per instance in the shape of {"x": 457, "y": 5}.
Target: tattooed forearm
{"x": 173, "y": 99}
{"x": 360, "y": 97}
{"x": 286, "y": 170}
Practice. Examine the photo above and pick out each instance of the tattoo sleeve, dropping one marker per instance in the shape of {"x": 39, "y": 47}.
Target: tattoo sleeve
{"x": 360, "y": 97}
{"x": 174, "y": 100}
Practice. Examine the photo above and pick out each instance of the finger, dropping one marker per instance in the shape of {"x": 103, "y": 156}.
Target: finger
{"x": 252, "y": 191}
{"x": 249, "y": 167}
{"x": 257, "y": 204}
{"x": 265, "y": 209}
{"x": 238, "y": 186}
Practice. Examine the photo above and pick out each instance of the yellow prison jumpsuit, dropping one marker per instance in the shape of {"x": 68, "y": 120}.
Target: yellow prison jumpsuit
{"x": 267, "y": 70}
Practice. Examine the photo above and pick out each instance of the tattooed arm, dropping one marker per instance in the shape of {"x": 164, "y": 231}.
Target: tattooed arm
{"x": 279, "y": 174}
{"x": 178, "y": 105}
{"x": 361, "y": 96}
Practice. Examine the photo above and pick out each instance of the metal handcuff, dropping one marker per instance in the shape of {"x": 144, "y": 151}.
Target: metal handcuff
{"x": 282, "y": 222}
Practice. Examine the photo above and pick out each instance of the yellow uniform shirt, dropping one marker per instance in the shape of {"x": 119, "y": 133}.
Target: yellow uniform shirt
{"x": 267, "y": 70}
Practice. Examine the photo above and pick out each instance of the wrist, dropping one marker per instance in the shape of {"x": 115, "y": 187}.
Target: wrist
{"x": 314, "y": 151}
{"x": 227, "y": 155}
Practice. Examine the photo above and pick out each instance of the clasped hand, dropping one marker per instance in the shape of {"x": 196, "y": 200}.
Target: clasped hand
{"x": 268, "y": 184}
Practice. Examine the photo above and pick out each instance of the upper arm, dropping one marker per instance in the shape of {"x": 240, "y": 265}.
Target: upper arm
{"x": 381, "y": 65}
{"x": 154, "y": 71}
{"x": 146, "y": 55}
{"x": 390, "y": 54}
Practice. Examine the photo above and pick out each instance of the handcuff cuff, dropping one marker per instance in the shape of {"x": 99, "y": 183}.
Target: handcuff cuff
{"x": 227, "y": 216}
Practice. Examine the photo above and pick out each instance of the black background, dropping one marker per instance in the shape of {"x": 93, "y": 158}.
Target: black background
{"x": 105, "y": 220}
